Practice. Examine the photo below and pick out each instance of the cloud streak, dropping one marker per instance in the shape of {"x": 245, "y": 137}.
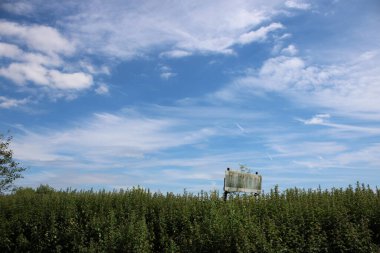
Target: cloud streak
{"x": 108, "y": 135}
{"x": 322, "y": 120}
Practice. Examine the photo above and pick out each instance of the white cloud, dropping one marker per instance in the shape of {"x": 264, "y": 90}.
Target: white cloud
{"x": 75, "y": 81}
{"x": 9, "y": 50}
{"x": 21, "y": 73}
{"x": 102, "y": 89}
{"x": 297, "y": 4}
{"x": 7, "y": 103}
{"x": 167, "y": 75}
{"x": 13, "y": 52}
{"x": 290, "y": 50}
{"x": 349, "y": 88}
{"x": 40, "y": 59}
{"x": 88, "y": 67}
{"x": 175, "y": 54}
{"x": 164, "y": 68}
{"x": 260, "y": 34}
{"x": 37, "y": 37}
{"x": 166, "y": 72}
{"x": 287, "y": 69}
{"x": 317, "y": 119}
{"x": 50, "y": 61}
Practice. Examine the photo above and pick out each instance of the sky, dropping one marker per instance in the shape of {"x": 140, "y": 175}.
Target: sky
{"x": 166, "y": 95}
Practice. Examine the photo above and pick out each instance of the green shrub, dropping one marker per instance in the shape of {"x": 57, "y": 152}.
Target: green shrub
{"x": 136, "y": 220}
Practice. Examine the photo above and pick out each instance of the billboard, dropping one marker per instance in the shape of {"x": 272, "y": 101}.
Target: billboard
{"x": 237, "y": 181}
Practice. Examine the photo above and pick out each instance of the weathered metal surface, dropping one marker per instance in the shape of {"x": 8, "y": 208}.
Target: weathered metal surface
{"x": 236, "y": 181}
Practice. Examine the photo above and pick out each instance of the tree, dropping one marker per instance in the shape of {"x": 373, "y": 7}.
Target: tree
{"x": 9, "y": 169}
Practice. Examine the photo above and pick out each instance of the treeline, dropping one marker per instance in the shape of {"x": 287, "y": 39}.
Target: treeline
{"x": 136, "y": 220}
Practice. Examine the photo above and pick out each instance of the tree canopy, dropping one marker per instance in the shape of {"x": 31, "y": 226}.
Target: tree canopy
{"x": 10, "y": 170}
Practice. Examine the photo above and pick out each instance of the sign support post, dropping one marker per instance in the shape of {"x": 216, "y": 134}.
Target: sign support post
{"x": 224, "y": 187}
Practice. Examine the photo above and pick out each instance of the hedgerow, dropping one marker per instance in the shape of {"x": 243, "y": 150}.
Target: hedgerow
{"x": 137, "y": 220}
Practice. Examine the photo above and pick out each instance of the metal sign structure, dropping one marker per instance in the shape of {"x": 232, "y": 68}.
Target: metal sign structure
{"x": 237, "y": 181}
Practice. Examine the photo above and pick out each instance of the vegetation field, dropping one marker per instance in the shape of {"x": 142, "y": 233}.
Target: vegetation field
{"x": 136, "y": 220}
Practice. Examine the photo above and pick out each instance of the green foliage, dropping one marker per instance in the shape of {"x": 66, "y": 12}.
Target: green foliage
{"x": 9, "y": 169}
{"x": 136, "y": 220}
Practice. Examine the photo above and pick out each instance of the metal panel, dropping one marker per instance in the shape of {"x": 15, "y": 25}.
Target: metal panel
{"x": 236, "y": 181}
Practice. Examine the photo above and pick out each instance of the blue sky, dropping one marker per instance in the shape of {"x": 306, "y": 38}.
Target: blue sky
{"x": 168, "y": 94}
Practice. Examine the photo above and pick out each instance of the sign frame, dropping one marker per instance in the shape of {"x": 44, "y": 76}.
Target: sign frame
{"x": 237, "y": 181}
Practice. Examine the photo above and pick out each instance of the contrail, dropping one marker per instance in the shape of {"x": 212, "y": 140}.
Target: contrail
{"x": 240, "y": 127}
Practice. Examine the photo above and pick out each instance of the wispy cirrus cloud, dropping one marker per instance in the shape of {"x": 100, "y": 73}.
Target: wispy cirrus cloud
{"x": 129, "y": 30}
{"x": 110, "y": 140}
{"x": 108, "y": 135}
{"x": 125, "y": 29}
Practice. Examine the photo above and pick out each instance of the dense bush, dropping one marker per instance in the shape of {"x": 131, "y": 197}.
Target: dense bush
{"x": 43, "y": 220}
